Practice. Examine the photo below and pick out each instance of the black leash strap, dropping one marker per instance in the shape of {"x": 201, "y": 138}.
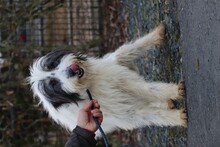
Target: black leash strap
{"x": 97, "y": 122}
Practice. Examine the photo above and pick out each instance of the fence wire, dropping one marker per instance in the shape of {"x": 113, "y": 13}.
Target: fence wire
{"x": 50, "y": 23}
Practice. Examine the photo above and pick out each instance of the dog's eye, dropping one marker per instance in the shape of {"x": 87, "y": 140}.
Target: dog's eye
{"x": 81, "y": 57}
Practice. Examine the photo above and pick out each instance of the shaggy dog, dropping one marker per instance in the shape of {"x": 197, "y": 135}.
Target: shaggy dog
{"x": 60, "y": 80}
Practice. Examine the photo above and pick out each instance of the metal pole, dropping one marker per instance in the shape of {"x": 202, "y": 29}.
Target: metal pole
{"x": 41, "y": 41}
{"x": 70, "y": 22}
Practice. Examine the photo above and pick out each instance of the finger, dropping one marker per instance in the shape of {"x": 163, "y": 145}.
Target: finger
{"x": 88, "y": 106}
{"x": 100, "y": 119}
{"x": 99, "y": 116}
{"x": 96, "y": 111}
{"x": 96, "y": 104}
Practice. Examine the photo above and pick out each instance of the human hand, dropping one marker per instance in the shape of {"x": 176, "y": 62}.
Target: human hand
{"x": 85, "y": 116}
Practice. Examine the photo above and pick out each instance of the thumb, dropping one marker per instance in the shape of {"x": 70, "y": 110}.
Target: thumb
{"x": 88, "y": 106}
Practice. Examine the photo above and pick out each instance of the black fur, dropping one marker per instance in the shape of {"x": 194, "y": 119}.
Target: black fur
{"x": 52, "y": 90}
{"x": 52, "y": 59}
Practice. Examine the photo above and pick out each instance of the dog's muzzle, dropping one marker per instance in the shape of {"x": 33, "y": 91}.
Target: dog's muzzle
{"x": 74, "y": 70}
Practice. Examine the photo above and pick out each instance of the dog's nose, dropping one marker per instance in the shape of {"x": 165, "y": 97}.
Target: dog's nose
{"x": 70, "y": 72}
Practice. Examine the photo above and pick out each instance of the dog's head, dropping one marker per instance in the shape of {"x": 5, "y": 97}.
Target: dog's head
{"x": 59, "y": 78}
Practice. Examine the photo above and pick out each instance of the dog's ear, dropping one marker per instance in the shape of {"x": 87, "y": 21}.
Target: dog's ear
{"x": 53, "y": 59}
{"x": 56, "y": 95}
{"x": 59, "y": 100}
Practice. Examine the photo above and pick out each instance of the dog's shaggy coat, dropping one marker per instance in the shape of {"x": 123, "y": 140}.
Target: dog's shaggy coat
{"x": 60, "y": 80}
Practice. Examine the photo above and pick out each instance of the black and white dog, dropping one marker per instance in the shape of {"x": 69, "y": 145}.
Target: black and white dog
{"x": 60, "y": 80}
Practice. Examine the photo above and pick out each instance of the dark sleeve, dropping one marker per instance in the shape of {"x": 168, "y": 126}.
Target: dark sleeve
{"x": 81, "y": 138}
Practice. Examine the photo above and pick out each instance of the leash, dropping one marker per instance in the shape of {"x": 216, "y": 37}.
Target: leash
{"x": 104, "y": 138}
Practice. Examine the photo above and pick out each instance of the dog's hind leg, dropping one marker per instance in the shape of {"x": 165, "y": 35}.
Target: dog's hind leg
{"x": 168, "y": 118}
{"x": 126, "y": 54}
{"x": 164, "y": 91}
{"x": 158, "y": 91}
{"x": 161, "y": 93}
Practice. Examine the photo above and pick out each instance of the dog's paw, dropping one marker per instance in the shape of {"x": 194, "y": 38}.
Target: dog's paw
{"x": 181, "y": 89}
{"x": 183, "y": 117}
{"x": 160, "y": 31}
{"x": 171, "y": 104}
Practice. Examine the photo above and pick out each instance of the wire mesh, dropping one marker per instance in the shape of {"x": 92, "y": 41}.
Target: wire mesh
{"x": 50, "y": 23}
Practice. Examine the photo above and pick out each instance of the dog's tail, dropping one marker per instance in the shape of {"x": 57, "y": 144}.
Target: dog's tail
{"x": 130, "y": 51}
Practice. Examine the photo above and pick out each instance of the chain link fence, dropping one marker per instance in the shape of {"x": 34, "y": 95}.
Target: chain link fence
{"x": 49, "y": 23}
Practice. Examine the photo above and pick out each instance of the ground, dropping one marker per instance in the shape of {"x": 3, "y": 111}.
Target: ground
{"x": 200, "y": 29}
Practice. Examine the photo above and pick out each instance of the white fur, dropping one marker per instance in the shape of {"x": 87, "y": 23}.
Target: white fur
{"x": 126, "y": 99}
